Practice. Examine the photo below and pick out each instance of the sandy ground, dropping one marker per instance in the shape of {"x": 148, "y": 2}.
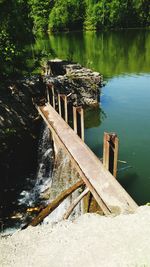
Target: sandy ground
{"x": 91, "y": 241}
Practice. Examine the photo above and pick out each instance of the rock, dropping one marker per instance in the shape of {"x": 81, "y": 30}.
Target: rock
{"x": 81, "y": 83}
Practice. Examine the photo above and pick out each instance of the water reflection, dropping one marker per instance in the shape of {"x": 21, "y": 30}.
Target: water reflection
{"x": 94, "y": 117}
{"x": 112, "y": 53}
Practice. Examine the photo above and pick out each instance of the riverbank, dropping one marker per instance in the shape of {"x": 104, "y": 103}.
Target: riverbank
{"x": 91, "y": 240}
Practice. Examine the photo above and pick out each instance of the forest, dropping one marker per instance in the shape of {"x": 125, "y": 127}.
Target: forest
{"x": 58, "y": 15}
{"x": 20, "y": 20}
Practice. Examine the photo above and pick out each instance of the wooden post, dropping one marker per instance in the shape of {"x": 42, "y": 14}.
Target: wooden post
{"x": 116, "y": 145}
{"x": 106, "y": 150}
{"x": 110, "y": 152}
{"x": 66, "y": 108}
{"x": 80, "y": 111}
{"x": 51, "y": 97}
{"x": 75, "y": 119}
{"x": 59, "y": 105}
{"x": 64, "y": 98}
{"x": 47, "y": 92}
{"x": 53, "y": 92}
{"x": 82, "y": 123}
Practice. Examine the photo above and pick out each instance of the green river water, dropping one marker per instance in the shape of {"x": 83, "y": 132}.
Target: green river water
{"x": 123, "y": 57}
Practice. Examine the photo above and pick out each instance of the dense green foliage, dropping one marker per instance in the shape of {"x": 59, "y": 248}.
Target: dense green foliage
{"x": 15, "y": 29}
{"x": 67, "y": 15}
{"x": 116, "y": 14}
{"x": 89, "y": 14}
{"x": 58, "y": 15}
{"x": 39, "y": 12}
{"x": 20, "y": 18}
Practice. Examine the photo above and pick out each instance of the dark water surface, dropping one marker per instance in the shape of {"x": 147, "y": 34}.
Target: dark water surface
{"x": 123, "y": 57}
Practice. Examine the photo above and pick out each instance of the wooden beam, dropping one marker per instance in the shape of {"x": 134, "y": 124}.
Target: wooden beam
{"x": 75, "y": 119}
{"x": 106, "y": 150}
{"x": 82, "y": 124}
{"x": 50, "y": 89}
{"x": 55, "y": 203}
{"x": 66, "y": 108}
{"x": 80, "y": 111}
{"x": 107, "y": 191}
{"x": 59, "y": 105}
{"x": 74, "y": 204}
{"x": 116, "y": 144}
{"x": 110, "y": 152}
{"x": 65, "y": 105}
{"x": 47, "y": 93}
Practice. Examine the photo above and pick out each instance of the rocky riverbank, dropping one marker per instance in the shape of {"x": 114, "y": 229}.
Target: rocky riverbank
{"x": 82, "y": 85}
{"x": 17, "y": 112}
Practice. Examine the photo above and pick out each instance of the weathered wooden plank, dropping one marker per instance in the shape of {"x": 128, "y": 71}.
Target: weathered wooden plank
{"x": 80, "y": 111}
{"x": 55, "y": 203}
{"x": 106, "y": 151}
{"x": 116, "y": 141}
{"x": 74, "y": 203}
{"x": 75, "y": 119}
{"x": 107, "y": 191}
{"x": 110, "y": 160}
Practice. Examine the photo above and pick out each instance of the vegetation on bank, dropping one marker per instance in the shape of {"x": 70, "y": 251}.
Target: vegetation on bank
{"x": 19, "y": 19}
{"x": 58, "y": 15}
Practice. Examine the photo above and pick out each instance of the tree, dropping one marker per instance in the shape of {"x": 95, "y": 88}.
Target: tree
{"x": 67, "y": 14}
{"x": 40, "y": 13}
{"x": 143, "y": 12}
{"x": 123, "y": 14}
{"x": 15, "y": 29}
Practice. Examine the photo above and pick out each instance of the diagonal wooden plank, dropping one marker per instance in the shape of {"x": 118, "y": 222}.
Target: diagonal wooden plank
{"x": 109, "y": 194}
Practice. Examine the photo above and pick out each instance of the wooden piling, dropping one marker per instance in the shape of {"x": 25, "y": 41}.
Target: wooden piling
{"x": 80, "y": 111}
{"x": 106, "y": 150}
{"x": 65, "y": 106}
{"x": 59, "y": 105}
{"x": 110, "y": 152}
{"x": 116, "y": 143}
{"x": 53, "y": 92}
{"x": 51, "y": 95}
{"x": 47, "y": 94}
{"x": 75, "y": 119}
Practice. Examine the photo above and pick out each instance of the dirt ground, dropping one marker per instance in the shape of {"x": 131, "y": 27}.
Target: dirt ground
{"x": 89, "y": 241}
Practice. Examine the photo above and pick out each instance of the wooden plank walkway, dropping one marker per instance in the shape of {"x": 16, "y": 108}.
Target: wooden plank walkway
{"x": 107, "y": 191}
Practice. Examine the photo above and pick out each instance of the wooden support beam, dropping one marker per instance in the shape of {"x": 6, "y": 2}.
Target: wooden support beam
{"x": 65, "y": 106}
{"x": 74, "y": 204}
{"x": 116, "y": 144}
{"x": 51, "y": 94}
{"x": 106, "y": 150}
{"x": 80, "y": 111}
{"x": 107, "y": 191}
{"x": 110, "y": 152}
{"x": 55, "y": 203}
{"x": 47, "y": 94}
{"x": 75, "y": 119}
{"x": 59, "y": 105}
{"x": 82, "y": 124}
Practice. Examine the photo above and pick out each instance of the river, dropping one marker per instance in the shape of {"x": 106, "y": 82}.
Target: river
{"x": 124, "y": 106}
{"x": 123, "y": 59}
